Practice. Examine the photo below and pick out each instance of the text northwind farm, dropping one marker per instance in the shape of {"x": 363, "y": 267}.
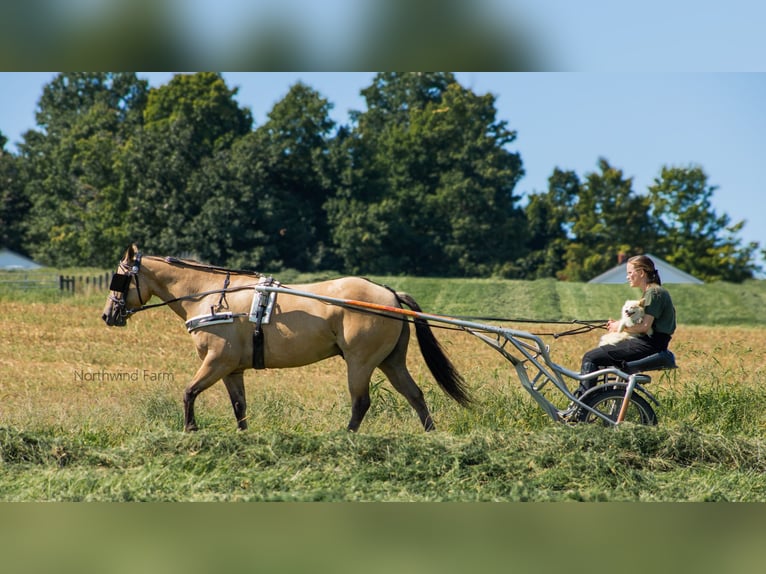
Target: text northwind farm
{"x": 105, "y": 376}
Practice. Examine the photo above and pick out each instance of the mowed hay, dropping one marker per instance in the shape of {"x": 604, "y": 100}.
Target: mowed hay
{"x": 63, "y": 368}
{"x": 92, "y": 413}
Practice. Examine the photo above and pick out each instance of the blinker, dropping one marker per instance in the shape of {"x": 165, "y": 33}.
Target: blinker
{"x": 120, "y": 283}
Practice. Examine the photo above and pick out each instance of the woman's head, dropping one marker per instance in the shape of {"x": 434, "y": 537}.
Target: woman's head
{"x": 643, "y": 264}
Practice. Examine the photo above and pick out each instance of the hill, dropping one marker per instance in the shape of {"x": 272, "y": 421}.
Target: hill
{"x": 711, "y": 304}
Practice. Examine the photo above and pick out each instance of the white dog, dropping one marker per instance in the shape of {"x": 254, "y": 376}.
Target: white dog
{"x": 632, "y": 314}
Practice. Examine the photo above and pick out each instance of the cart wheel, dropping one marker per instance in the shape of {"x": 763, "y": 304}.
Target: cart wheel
{"x": 609, "y": 401}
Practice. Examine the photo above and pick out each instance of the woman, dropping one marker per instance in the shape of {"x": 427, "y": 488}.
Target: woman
{"x": 660, "y": 318}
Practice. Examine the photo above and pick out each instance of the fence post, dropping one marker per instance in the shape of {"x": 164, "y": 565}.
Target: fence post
{"x": 66, "y": 283}
{"x": 87, "y": 283}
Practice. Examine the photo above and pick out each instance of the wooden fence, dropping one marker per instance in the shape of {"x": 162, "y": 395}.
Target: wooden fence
{"x": 84, "y": 284}
{"x": 16, "y": 281}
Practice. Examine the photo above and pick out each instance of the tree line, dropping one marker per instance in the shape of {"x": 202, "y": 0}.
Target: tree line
{"x": 422, "y": 182}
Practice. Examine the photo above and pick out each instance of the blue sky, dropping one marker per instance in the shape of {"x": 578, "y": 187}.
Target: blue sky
{"x": 637, "y": 121}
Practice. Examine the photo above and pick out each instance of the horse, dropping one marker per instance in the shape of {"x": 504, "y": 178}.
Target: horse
{"x": 217, "y": 305}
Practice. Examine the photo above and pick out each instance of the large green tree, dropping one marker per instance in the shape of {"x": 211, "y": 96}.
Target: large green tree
{"x": 692, "y": 235}
{"x": 14, "y": 206}
{"x": 550, "y": 218}
{"x": 428, "y": 188}
{"x": 186, "y": 123}
{"x": 609, "y": 219}
{"x": 296, "y": 142}
{"x": 265, "y": 194}
{"x": 71, "y": 164}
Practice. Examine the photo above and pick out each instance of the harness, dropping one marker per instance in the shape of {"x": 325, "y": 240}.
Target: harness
{"x": 264, "y": 298}
{"x": 260, "y": 314}
{"x": 260, "y": 309}
{"x": 120, "y": 283}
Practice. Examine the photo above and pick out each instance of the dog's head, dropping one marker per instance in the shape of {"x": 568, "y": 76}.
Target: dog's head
{"x": 633, "y": 310}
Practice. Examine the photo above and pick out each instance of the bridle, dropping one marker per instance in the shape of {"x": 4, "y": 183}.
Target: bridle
{"x": 121, "y": 284}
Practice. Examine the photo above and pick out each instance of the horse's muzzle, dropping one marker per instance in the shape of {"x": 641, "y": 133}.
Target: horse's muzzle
{"x": 115, "y": 320}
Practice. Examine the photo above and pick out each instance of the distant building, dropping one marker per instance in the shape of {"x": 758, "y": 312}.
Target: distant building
{"x": 668, "y": 273}
{"x": 10, "y": 260}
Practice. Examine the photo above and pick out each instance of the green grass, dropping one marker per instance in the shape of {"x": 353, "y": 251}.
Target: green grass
{"x": 708, "y": 447}
{"x": 68, "y": 441}
{"x": 556, "y": 463}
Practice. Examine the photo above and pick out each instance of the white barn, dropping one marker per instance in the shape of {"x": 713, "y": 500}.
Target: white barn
{"x": 668, "y": 273}
{"x": 11, "y": 260}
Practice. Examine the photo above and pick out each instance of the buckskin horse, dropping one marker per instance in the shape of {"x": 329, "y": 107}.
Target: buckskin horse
{"x": 236, "y": 327}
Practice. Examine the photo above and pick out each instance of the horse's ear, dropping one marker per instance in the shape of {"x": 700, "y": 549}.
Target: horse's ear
{"x": 130, "y": 252}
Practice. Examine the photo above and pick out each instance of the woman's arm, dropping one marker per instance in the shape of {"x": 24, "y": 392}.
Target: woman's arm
{"x": 643, "y": 327}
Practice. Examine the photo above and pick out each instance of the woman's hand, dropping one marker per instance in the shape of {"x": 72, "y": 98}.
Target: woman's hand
{"x": 612, "y": 325}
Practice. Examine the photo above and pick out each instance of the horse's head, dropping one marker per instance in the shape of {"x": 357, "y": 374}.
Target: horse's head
{"x": 126, "y": 293}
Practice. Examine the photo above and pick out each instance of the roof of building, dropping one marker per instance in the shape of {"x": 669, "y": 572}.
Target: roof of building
{"x": 12, "y": 260}
{"x": 668, "y": 273}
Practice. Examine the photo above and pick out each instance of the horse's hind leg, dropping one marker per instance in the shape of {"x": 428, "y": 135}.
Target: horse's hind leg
{"x": 404, "y": 383}
{"x": 395, "y": 368}
{"x": 235, "y": 384}
{"x": 359, "y": 387}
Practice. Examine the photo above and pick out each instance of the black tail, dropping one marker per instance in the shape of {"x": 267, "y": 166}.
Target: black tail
{"x": 438, "y": 363}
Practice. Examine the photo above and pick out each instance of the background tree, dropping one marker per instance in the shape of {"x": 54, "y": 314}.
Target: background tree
{"x": 692, "y": 235}
{"x": 235, "y": 224}
{"x": 295, "y": 146}
{"x": 186, "y": 122}
{"x": 429, "y": 185}
{"x": 608, "y": 219}
{"x": 263, "y": 197}
{"x": 14, "y": 205}
{"x": 77, "y": 209}
{"x": 550, "y": 217}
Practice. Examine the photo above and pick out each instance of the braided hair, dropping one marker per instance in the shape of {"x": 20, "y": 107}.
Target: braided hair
{"x": 647, "y": 265}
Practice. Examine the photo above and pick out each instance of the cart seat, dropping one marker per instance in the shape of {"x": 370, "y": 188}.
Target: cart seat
{"x": 659, "y": 361}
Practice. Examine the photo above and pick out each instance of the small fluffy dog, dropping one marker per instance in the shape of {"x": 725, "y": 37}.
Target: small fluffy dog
{"x": 632, "y": 314}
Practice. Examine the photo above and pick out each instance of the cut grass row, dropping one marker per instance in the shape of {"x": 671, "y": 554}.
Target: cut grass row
{"x": 68, "y": 433}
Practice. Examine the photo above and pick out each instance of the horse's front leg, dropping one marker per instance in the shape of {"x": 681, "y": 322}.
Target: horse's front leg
{"x": 235, "y": 384}
{"x": 210, "y": 372}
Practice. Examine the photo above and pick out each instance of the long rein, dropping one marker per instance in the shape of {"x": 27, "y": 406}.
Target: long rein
{"x": 584, "y": 326}
{"x": 191, "y": 297}
{"x": 223, "y": 291}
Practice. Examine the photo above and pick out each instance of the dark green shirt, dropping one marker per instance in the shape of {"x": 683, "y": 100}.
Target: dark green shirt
{"x": 659, "y": 305}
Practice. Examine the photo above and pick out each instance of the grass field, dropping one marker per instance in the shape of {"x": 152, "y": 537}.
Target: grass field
{"x": 91, "y": 413}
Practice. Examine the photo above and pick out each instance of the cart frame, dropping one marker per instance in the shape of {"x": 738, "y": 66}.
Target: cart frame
{"x": 534, "y": 365}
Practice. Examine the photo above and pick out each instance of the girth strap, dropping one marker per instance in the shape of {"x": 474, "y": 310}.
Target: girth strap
{"x": 260, "y": 313}
{"x": 258, "y": 356}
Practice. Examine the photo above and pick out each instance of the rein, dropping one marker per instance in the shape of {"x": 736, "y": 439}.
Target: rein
{"x": 121, "y": 283}
{"x": 585, "y": 326}
{"x": 191, "y": 297}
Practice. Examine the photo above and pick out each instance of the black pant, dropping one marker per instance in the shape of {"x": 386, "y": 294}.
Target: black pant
{"x": 617, "y": 355}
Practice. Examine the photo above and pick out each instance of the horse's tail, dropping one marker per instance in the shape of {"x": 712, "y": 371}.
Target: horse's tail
{"x": 438, "y": 363}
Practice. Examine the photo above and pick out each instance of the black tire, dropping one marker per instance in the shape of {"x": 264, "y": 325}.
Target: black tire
{"x": 608, "y": 402}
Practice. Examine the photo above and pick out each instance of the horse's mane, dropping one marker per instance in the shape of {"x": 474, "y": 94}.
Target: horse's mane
{"x": 191, "y": 263}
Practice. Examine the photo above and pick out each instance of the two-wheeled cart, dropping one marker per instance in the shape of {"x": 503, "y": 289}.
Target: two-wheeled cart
{"x": 615, "y": 395}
